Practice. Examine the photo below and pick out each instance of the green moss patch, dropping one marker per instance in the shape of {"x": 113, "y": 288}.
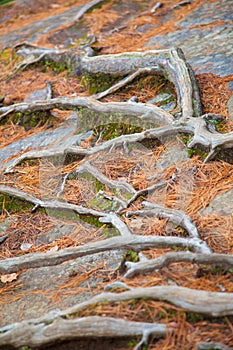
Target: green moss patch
{"x": 13, "y": 205}
{"x": 4, "y": 2}
{"x": 99, "y": 82}
{"x": 108, "y": 126}
{"x": 29, "y": 120}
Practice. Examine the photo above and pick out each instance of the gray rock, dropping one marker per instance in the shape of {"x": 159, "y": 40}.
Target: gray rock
{"x": 230, "y": 85}
{"x": 221, "y": 204}
{"x": 230, "y": 107}
{"x": 168, "y": 106}
{"x": 206, "y": 49}
{"x": 6, "y": 223}
{"x": 39, "y": 293}
{"x": 37, "y": 95}
{"x": 174, "y": 153}
{"x": 161, "y": 98}
{"x": 56, "y": 232}
{"x": 63, "y": 136}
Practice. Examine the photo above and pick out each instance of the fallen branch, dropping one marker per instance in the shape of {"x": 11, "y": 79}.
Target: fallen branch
{"x": 223, "y": 260}
{"x": 33, "y": 333}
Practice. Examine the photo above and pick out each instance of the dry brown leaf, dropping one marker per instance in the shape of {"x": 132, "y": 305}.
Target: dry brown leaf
{"x": 9, "y": 278}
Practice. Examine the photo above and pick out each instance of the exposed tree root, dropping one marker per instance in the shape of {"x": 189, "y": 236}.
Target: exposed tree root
{"x": 222, "y": 260}
{"x": 214, "y": 304}
{"x": 86, "y": 8}
{"x": 213, "y": 345}
{"x": 34, "y": 333}
{"x": 141, "y": 110}
{"x": 178, "y": 217}
{"x": 126, "y": 241}
{"x": 158, "y": 134}
{"x": 214, "y": 142}
{"x": 171, "y": 63}
{"x": 66, "y": 324}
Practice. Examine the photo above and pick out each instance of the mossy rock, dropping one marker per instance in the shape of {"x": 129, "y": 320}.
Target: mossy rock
{"x": 13, "y": 205}
{"x": 98, "y": 82}
{"x": 29, "y": 120}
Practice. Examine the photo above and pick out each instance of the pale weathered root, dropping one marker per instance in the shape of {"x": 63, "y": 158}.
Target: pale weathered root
{"x": 92, "y": 170}
{"x": 113, "y": 219}
{"x": 123, "y": 82}
{"x": 86, "y": 8}
{"x": 214, "y": 142}
{"x": 150, "y": 189}
{"x": 122, "y": 186}
{"x": 125, "y": 241}
{"x": 213, "y": 346}
{"x": 140, "y": 110}
{"x": 33, "y": 333}
{"x": 49, "y": 204}
{"x": 63, "y": 324}
{"x": 141, "y": 267}
{"x": 215, "y": 304}
{"x": 170, "y": 62}
{"x": 178, "y": 217}
{"x": 158, "y": 134}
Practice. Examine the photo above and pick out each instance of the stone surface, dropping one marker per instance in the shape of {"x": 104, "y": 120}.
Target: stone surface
{"x": 40, "y": 287}
{"x": 64, "y": 135}
{"x": 175, "y": 152}
{"x": 206, "y": 43}
{"x": 221, "y": 204}
{"x": 230, "y": 107}
{"x": 32, "y": 31}
{"x": 56, "y": 232}
{"x": 7, "y": 222}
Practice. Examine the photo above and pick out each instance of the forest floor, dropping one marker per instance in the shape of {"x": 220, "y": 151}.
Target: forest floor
{"x": 203, "y": 191}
